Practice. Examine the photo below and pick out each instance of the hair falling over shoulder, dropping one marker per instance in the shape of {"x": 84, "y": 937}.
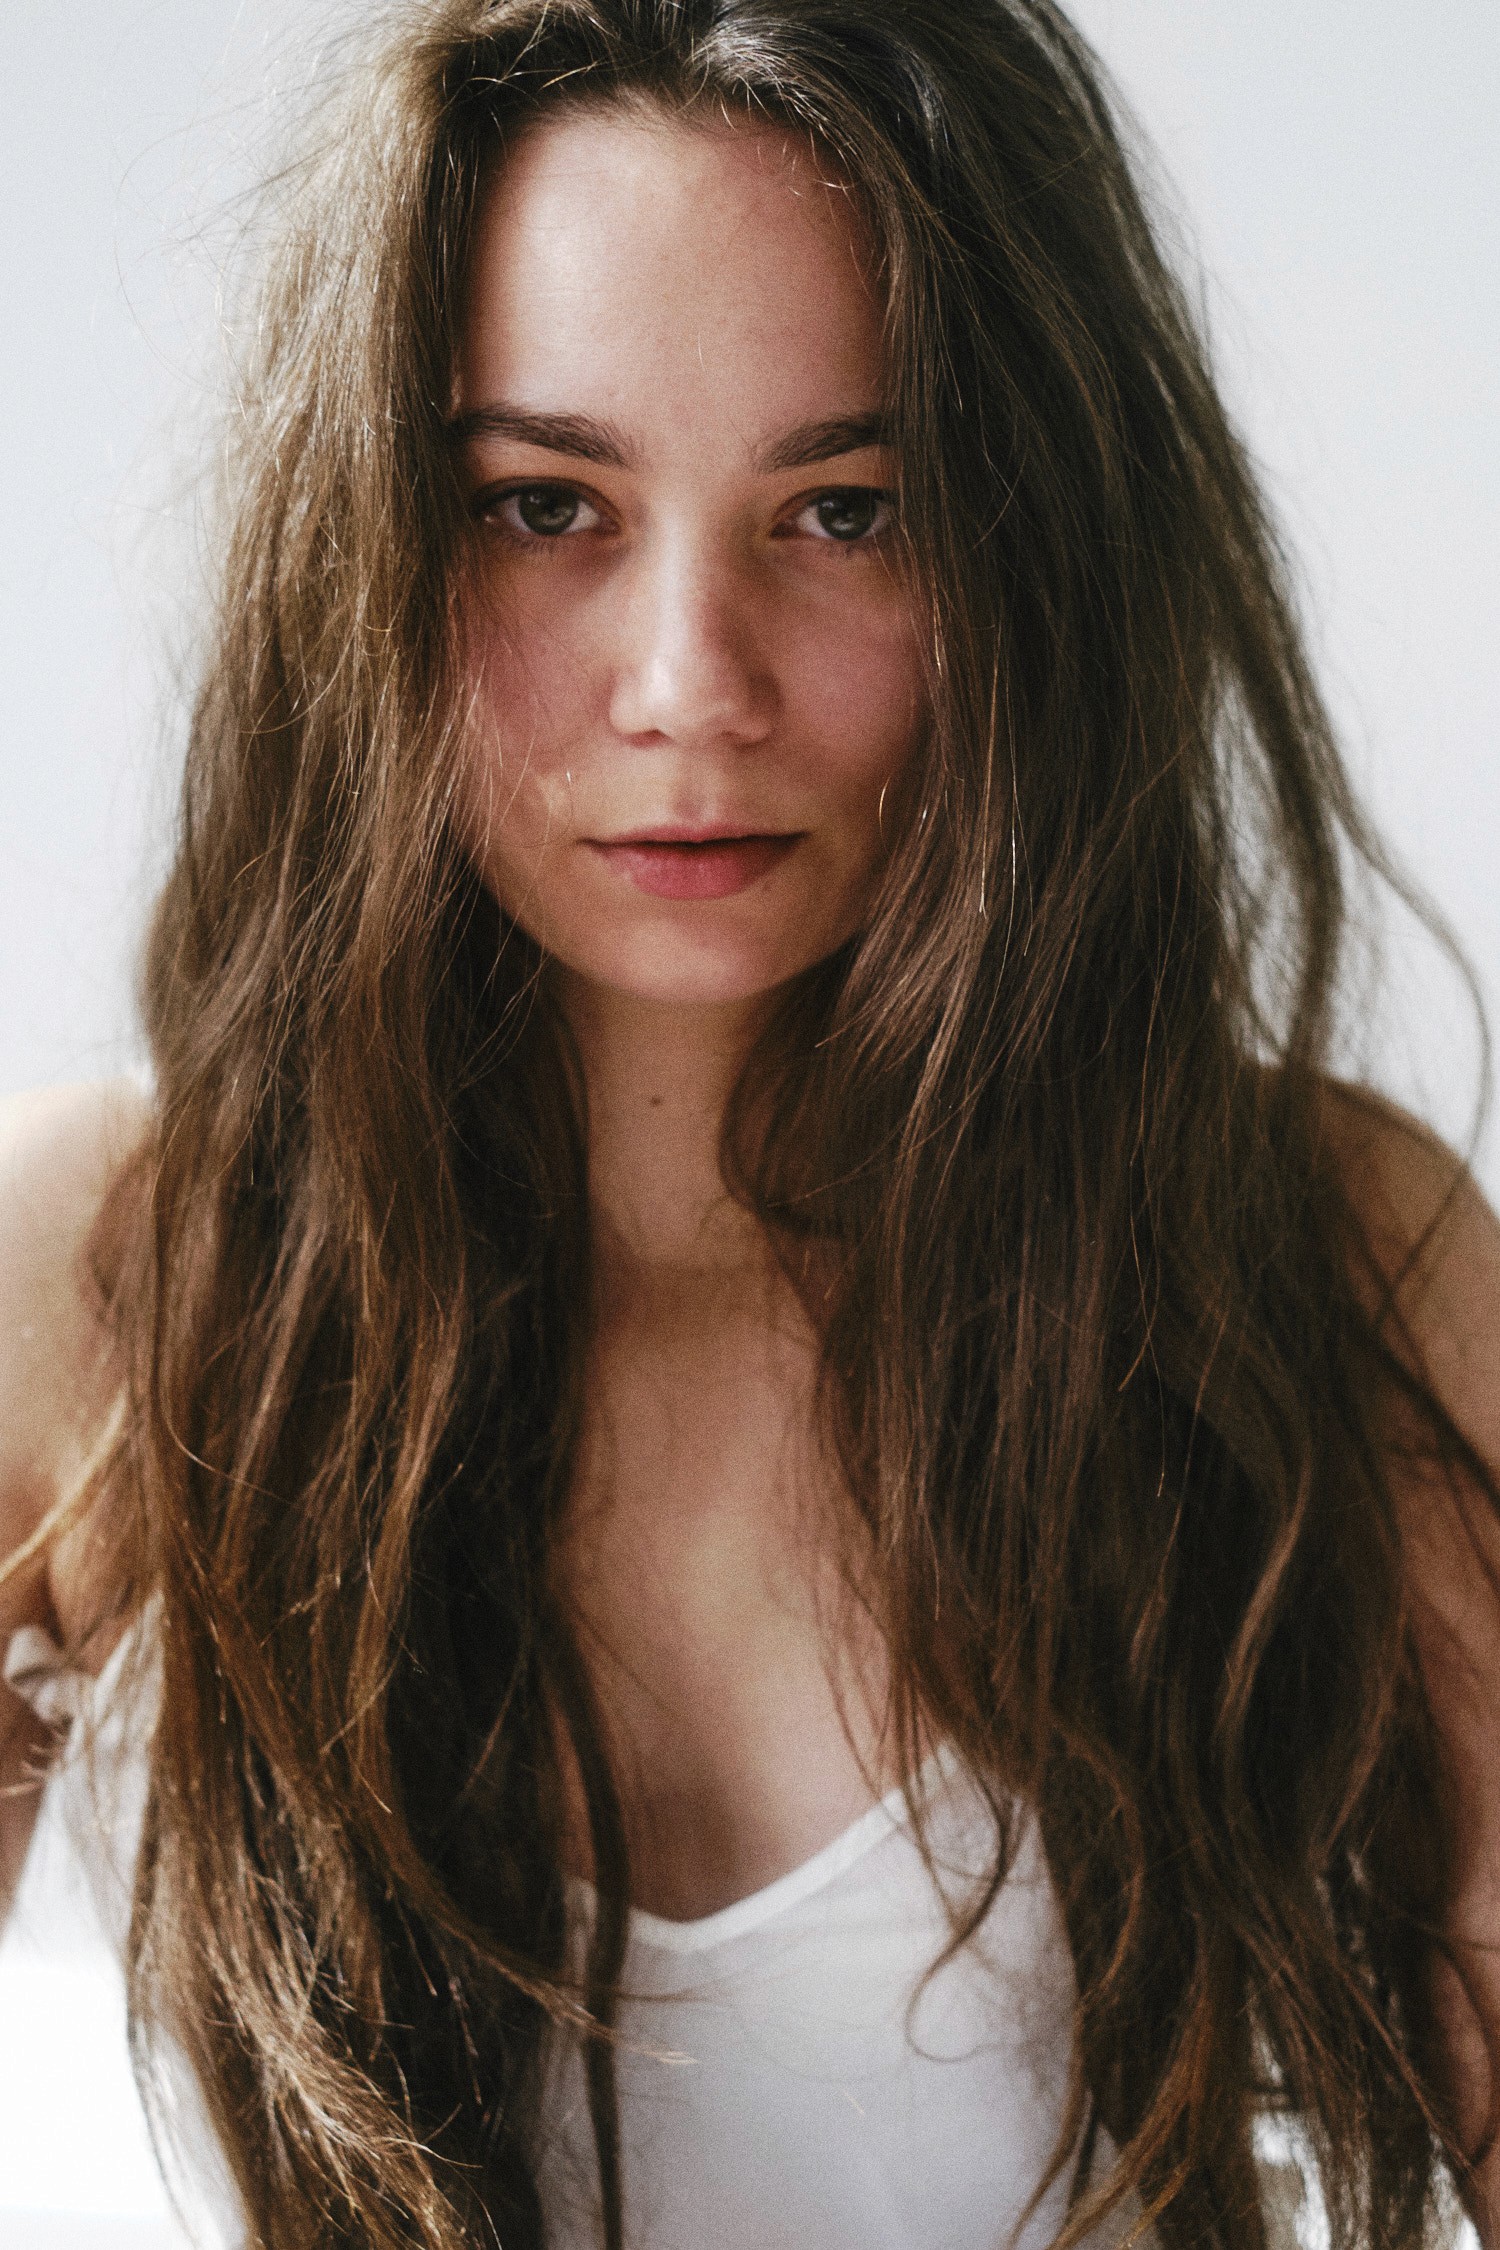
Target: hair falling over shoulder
{"x": 1094, "y": 1363}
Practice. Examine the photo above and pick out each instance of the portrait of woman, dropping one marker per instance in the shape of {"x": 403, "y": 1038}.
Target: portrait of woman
{"x": 748, "y": 1512}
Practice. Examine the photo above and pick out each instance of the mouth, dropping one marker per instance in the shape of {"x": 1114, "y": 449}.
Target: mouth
{"x": 694, "y": 863}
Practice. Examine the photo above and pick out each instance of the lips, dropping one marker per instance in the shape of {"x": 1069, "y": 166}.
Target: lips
{"x": 686, "y": 864}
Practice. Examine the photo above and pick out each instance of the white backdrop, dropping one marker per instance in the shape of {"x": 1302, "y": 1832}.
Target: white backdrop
{"x": 1336, "y": 161}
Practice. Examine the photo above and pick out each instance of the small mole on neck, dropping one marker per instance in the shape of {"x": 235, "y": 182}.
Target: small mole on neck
{"x": 657, "y": 1100}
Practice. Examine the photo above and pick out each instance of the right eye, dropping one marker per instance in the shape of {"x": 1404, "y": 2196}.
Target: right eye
{"x": 538, "y": 511}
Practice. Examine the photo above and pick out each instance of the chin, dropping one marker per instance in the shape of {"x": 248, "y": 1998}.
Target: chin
{"x": 675, "y": 975}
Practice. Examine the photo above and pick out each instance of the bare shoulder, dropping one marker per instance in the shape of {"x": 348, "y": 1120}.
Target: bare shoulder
{"x": 59, "y": 1150}
{"x": 1435, "y": 1242}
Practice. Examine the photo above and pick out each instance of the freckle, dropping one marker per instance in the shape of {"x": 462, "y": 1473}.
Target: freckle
{"x": 656, "y": 1100}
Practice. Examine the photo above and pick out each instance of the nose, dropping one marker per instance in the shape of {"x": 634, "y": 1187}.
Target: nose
{"x": 692, "y": 666}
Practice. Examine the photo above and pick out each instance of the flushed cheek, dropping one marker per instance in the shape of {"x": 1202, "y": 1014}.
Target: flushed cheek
{"x": 850, "y": 716}
{"x": 861, "y": 704}
{"x": 518, "y": 825}
{"x": 530, "y": 734}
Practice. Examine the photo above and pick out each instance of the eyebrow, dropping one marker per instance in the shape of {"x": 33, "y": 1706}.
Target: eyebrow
{"x": 584, "y": 438}
{"x": 811, "y": 442}
{"x": 577, "y": 434}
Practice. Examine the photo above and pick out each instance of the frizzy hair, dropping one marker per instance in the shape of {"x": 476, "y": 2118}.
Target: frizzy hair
{"x": 1051, "y": 1132}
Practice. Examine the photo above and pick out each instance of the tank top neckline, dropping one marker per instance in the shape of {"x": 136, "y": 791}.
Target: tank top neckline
{"x": 32, "y": 1656}
{"x": 664, "y": 1933}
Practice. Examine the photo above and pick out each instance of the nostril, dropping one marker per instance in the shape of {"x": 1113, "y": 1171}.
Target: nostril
{"x": 690, "y": 694}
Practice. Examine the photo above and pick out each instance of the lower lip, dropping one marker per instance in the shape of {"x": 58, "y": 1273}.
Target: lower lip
{"x": 712, "y": 870}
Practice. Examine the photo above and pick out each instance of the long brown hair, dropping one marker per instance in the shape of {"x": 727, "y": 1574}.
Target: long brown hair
{"x": 1097, "y": 1364}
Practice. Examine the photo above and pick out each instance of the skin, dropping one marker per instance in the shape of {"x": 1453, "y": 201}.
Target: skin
{"x": 715, "y": 633}
{"x": 694, "y": 647}
{"x": 702, "y": 641}
{"x": 1439, "y": 1248}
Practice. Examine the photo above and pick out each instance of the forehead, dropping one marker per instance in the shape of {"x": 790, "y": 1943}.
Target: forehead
{"x": 656, "y": 272}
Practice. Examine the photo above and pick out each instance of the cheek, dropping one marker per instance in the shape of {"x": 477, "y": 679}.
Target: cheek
{"x": 532, "y": 694}
{"x": 850, "y": 703}
{"x": 531, "y": 662}
{"x": 859, "y": 699}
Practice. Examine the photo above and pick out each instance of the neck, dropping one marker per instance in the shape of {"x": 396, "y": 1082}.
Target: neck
{"x": 658, "y": 1078}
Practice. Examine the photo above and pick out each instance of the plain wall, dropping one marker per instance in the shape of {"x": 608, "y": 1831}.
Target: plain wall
{"x": 1333, "y": 161}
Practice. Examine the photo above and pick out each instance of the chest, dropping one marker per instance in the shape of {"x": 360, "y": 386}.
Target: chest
{"x": 739, "y": 1683}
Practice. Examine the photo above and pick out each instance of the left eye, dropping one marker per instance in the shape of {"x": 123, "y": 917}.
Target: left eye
{"x": 539, "y": 511}
{"x": 847, "y": 515}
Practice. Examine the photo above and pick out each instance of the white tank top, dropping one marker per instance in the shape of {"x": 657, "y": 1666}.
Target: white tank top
{"x": 790, "y": 2075}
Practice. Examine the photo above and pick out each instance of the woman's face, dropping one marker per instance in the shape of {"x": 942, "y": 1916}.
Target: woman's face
{"x": 694, "y": 659}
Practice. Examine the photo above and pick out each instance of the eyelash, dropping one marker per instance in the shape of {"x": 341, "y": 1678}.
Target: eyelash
{"x": 486, "y": 507}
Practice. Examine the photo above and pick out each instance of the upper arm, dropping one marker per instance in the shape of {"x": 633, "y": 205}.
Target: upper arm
{"x": 1435, "y": 1247}
{"x": 1435, "y": 1244}
{"x": 1435, "y": 1241}
{"x": 58, "y": 1151}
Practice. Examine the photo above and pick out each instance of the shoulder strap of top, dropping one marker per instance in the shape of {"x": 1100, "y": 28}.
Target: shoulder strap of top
{"x": 34, "y": 1667}
{"x": 59, "y": 1692}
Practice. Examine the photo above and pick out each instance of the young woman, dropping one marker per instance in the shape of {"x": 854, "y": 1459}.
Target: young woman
{"x": 793, "y": 1523}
